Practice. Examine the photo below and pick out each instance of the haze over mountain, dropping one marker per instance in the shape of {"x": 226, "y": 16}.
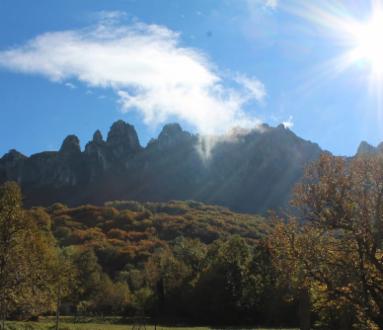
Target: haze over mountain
{"x": 250, "y": 171}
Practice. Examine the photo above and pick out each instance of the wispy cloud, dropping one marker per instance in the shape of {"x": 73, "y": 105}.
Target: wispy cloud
{"x": 271, "y": 3}
{"x": 256, "y": 4}
{"x": 255, "y": 88}
{"x": 289, "y": 122}
{"x": 70, "y": 85}
{"x": 147, "y": 67}
{"x": 109, "y": 17}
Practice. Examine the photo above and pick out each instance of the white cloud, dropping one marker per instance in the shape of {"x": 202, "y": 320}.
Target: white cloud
{"x": 288, "y": 123}
{"x": 255, "y": 88}
{"x": 107, "y": 17}
{"x": 70, "y": 85}
{"x": 271, "y": 4}
{"x": 147, "y": 68}
{"x": 207, "y": 143}
{"x": 254, "y": 5}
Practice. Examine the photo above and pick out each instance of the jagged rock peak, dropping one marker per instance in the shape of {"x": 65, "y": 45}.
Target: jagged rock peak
{"x": 95, "y": 144}
{"x": 172, "y": 134}
{"x": 365, "y": 148}
{"x": 261, "y": 128}
{"x": 70, "y": 145}
{"x": 173, "y": 129}
{"x": 123, "y": 138}
{"x": 97, "y": 137}
{"x": 13, "y": 154}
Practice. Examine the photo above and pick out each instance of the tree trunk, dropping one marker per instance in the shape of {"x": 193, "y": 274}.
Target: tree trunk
{"x": 58, "y": 306}
{"x": 304, "y": 310}
{"x": 346, "y": 319}
{"x": 3, "y": 312}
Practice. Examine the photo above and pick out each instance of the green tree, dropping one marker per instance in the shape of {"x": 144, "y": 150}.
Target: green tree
{"x": 110, "y": 298}
{"x": 89, "y": 277}
{"x": 63, "y": 275}
{"x": 222, "y": 292}
{"x": 190, "y": 251}
{"x": 167, "y": 277}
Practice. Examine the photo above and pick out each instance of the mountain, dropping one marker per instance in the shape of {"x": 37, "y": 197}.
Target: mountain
{"x": 247, "y": 171}
{"x": 367, "y": 149}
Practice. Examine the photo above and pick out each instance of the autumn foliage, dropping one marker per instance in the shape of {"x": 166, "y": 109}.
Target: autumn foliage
{"x": 318, "y": 266}
{"x": 332, "y": 247}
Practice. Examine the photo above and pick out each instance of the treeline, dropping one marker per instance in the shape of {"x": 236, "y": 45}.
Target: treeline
{"x": 174, "y": 262}
{"x": 170, "y": 261}
{"x": 187, "y": 262}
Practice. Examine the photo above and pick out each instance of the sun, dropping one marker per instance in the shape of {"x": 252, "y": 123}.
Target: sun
{"x": 369, "y": 42}
{"x": 354, "y": 30}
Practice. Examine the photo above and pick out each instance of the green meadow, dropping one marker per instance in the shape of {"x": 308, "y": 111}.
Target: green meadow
{"x": 103, "y": 326}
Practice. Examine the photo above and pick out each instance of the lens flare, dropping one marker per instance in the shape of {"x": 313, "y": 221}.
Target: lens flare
{"x": 369, "y": 43}
{"x": 358, "y": 35}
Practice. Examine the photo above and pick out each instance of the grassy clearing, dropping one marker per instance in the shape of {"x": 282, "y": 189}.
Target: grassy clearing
{"x": 98, "y": 326}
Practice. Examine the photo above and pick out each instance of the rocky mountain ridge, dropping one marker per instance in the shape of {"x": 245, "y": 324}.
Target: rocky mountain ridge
{"x": 250, "y": 171}
{"x": 365, "y": 148}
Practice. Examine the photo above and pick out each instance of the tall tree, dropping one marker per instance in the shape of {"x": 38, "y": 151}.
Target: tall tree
{"x": 12, "y": 266}
{"x": 88, "y": 279}
{"x": 333, "y": 247}
{"x": 26, "y": 252}
{"x": 226, "y": 288}
{"x": 63, "y": 275}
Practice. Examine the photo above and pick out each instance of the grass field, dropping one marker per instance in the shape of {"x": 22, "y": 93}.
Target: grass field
{"x": 98, "y": 326}
{"x": 83, "y": 326}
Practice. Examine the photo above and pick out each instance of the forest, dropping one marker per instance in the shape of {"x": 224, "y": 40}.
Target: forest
{"x": 317, "y": 265}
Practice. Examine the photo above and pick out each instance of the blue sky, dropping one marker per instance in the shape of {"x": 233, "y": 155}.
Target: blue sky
{"x": 74, "y": 66}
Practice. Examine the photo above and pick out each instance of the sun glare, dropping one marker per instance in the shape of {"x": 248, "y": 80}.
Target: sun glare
{"x": 369, "y": 43}
{"x": 361, "y": 39}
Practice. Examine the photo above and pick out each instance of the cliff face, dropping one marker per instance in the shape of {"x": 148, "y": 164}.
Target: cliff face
{"x": 248, "y": 171}
{"x": 367, "y": 149}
